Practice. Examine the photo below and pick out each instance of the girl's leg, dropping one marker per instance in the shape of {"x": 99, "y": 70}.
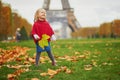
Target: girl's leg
{"x": 51, "y": 57}
{"x": 37, "y": 57}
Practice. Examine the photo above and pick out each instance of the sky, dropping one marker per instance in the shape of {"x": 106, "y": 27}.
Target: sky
{"x": 87, "y": 12}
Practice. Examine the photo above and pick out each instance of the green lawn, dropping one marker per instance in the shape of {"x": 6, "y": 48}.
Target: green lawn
{"x": 86, "y": 59}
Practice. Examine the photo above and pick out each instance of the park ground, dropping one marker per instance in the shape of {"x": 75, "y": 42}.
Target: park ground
{"x": 77, "y": 59}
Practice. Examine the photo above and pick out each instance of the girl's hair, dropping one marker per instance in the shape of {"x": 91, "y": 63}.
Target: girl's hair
{"x": 36, "y": 14}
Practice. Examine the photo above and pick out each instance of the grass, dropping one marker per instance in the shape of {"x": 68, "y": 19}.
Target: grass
{"x": 102, "y": 54}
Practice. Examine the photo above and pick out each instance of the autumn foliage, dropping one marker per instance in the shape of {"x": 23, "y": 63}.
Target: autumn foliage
{"x": 116, "y": 28}
{"x": 10, "y": 55}
{"x": 110, "y": 29}
{"x": 10, "y": 20}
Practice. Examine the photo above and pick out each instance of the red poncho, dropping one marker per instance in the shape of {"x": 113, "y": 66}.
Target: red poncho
{"x": 40, "y": 28}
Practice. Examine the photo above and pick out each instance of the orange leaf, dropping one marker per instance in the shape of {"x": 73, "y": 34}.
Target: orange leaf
{"x": 44, "y": 74}
{"x": 88, "y": 67}
{"x": 63, "y": 68}
{"x": 11, "y": 76}
{"x": 68, "y": 71}
{"x": 51, "y": 72}
{"x": 34, "y": 79}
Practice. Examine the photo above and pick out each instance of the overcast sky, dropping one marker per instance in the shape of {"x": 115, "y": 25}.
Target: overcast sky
{"x": 87, "y": 12}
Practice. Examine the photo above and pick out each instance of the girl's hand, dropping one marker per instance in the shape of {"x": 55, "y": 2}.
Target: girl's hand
{"x": 36, "y": 37}
{"x": 53, "y": 38}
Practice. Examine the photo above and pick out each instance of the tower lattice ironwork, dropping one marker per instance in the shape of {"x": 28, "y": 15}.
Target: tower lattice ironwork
{"x": 65, "y": 15}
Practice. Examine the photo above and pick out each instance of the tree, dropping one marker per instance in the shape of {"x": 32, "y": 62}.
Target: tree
{"x": 105, "y": 30}
{"x": 23, "y": 33}
{"x": 5, "y": 21}
{"x": 116, "y": 28}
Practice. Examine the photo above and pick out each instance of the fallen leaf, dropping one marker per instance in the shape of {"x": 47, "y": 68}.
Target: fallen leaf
{"x": 52, "y": 72}
{"x": 68, "y": 71}
{"x": 31, "y": 60}
{"x": 18, "y": 59}
{"x": 11, "y": 76}
{"x": 44, "y": 74}
{"x": 51, "y": 76}
{"x": 63, "y": 68}
{"x": 26, "y": 62}
{"x": 18, "y": 72}
{"x": 77, "y": 53}
{"x": 88, "y": 67}
{"x": 35, "y": 79}
{"x": 59, "y": 70}
{"x": 82, "y": 56}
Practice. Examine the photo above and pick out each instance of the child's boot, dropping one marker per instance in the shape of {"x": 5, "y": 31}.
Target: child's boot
{"x": 54, "y": 63}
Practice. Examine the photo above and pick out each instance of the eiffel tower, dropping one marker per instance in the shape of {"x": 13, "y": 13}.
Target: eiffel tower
{"x": 65, "y": 16}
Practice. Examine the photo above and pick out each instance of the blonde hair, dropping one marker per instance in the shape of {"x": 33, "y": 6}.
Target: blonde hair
{"x": 36, "y": 14}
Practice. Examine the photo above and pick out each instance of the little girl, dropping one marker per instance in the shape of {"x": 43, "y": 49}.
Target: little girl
{"x": 42, "y": 34}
